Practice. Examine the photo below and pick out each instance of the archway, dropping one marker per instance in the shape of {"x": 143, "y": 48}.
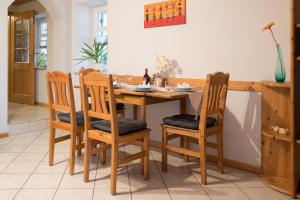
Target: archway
{"x": 59, "y": 55}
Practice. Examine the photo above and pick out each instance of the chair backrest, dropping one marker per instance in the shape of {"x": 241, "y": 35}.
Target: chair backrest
{"x": 60, "y": 94}
{"x": 99, "y": 88}
{"x": 214, "y": 98}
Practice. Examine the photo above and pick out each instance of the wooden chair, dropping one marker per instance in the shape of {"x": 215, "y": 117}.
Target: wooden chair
{"x": 63, "y": 115}
{"x": 119, "y": 106}
{"x": 109, "y": 130}
{"x": 209, "y": 123}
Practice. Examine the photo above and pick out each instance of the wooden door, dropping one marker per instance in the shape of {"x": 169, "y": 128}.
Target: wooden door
{"x": 22, "y": 74}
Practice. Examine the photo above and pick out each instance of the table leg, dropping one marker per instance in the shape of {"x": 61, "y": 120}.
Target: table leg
{"x": 143, "y": 113}
{"x": 143, "y": 118}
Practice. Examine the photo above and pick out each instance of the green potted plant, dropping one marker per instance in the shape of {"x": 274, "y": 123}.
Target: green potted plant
{"x": 96, "y": 53}
{"x": 42, "y": 60}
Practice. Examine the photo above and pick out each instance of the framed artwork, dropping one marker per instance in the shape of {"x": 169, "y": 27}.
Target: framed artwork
{"x": 167, "y": 13}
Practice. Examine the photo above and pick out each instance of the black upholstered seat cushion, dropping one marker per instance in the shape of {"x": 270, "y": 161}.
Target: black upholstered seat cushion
{"x": 187, "y": 121}
{"x": 125, "y": 126}
{"x": 65, "y": 117}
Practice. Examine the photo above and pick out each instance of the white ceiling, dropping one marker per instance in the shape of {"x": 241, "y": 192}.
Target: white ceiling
{"x": 93, "y": 3}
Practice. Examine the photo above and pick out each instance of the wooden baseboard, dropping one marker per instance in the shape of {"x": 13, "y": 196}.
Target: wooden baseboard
{"x": 3, "y": 135}
{"x": 236, "y": 164}
{"x": 227, "y": 162}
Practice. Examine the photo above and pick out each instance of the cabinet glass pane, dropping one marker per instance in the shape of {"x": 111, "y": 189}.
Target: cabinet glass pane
{"x": 18, "y": 26}
{"x": 26, "y": 26}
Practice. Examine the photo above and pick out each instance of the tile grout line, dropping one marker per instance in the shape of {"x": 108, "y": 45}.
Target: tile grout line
{"x": 33, "y": 169}
{"x": 159, "y": 172}
{"x": 60, "y": 180}
{"x": 19, "y": 153}
{"x": 128, "y": 175}
{"x": 204, "y": 189}
{"x": 98, "y": 160}
{"x": 241, "y": 190}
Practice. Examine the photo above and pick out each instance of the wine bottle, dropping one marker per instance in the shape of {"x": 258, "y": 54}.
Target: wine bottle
{"x": 147, "y": 78}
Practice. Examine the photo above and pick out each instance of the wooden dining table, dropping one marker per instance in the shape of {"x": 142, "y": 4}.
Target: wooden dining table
{"x": 143, "y": 99}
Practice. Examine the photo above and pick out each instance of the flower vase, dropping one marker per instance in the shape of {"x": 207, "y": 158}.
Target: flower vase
{"x": 280, "y": 73}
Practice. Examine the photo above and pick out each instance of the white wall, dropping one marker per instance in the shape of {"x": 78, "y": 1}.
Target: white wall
{"x": 3, "y": 64}
{"x": 219, "y": 35}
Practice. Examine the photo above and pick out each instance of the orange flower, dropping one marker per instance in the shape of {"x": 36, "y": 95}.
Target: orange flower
{"x": 269, "y": 26}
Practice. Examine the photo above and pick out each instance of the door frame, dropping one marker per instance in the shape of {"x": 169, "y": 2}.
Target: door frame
{"x": 11, "y": 58}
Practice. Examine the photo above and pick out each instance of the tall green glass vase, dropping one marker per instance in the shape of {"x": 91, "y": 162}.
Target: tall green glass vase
{"x": 280, "y": 73}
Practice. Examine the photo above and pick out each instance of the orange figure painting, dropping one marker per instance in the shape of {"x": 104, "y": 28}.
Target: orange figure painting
{"x": 167, "y": 13}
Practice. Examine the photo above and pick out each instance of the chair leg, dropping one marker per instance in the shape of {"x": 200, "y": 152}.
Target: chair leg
{"x": 51, "y": 146}
{"x": 103, "y": 155}
{"x": 146, "y": 158}
{"x": 186, "y": 146}
{"x": 87, "y": 157}
{"x": 164, "y": 165}
{"x": 114, "y": 166}
{"x": 72, "y": 152}
{"x": 79, "y": 143}
{"x": 142, "y": 159}
{"x": 203, "y": 160}
{"x": 220, "y": 152}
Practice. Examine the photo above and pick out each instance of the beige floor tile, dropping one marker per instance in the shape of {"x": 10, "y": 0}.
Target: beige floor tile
{"x": 79, "y": 167}
{"x": 8, "y": 194}
{"x": 3, "y": 165}
{"x": 35, "y": 194}
{"x": 16, "y": 129}
{"x": 6, "y": 140}
{"x": 171, "y": 156}
{"x": 13, "y": 148}
{"x": 180, "y": 180}
{"x": 137, "y": 182}
{"x": 176, "y": 167}
{"x": 245, "y": 179}
{"x": 43, "y": 181}
{"x": 104, "y": 194}
{"x": 61, "y": 148}
{"x": 135, "y": 167}
{"x": 30, "y": 157}
{"x": 58, "y": 157}
{"x": 41, "y": 140}
{"x": 8, "y": 157}
{"x": 151, "y": 194}
{"x": 21, "y": 167}
{"x": 25, "y": 141}
{"x": 188, "y": 194}
{"x": 215, "y": 180}
{"x": 74, "y": 194}
{"x": 13, "y": 181}
{"x": 37, "y": 148}
{"x": 226, "y": 194}
{"x": 264, "y": 194}
{"x": 105, "y": 169}
{"x": 57, "y": 168}
{"x": 103, "y": 181}
{"x": 76, "y": 181}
